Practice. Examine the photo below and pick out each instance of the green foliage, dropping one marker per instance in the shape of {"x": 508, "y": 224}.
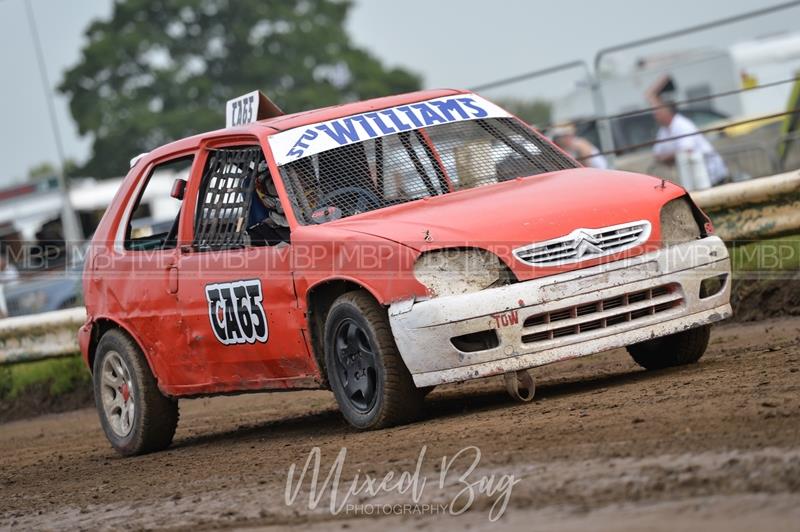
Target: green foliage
{"x": 5, "y": 382}
{"x": 535, "y": 112}
{"x": 61, "y": 374}
{"x": 777, "y": 254}
{"x": 159, "y": 70}
{"x": 41, "y": 171}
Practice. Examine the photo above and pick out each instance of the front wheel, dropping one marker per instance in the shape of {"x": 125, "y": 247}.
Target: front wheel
{"x": 366, "y": 373}
{"x": 134, "y": 414}
{"x": 685, "y": 347}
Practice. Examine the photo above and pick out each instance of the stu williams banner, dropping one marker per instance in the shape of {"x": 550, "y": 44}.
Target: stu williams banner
{"x": 305, "y": 141}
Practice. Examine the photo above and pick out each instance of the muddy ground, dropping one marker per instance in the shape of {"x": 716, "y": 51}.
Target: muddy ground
{"x": 605, "y": 446}
{"x": 756, "y": 299}
{"x": 38, "y": 399}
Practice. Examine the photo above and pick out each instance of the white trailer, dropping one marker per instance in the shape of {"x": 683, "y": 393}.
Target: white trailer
{"x": 697, "y": 74}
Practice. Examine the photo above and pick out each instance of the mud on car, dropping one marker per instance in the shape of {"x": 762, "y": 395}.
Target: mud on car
{"x": 378, "y": 249}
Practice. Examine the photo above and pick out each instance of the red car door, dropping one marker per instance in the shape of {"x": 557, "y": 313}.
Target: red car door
{"x": 238, "y": 302}
{"x": 138, "y": 268}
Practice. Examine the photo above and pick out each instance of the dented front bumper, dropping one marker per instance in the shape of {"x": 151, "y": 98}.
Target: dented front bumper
{"x": 564, "y": 316}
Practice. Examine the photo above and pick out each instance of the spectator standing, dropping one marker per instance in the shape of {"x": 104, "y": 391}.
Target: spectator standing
{"x": 668, "y": 149}
{"x": 578, "y": 147}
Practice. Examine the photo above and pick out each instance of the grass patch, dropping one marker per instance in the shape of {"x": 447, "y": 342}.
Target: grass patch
{"x": 61, "y": 375}
{"x": 775, "y": 254}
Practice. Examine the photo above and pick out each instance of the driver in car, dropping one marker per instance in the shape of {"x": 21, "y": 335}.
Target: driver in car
{"x": 267, "y": 224}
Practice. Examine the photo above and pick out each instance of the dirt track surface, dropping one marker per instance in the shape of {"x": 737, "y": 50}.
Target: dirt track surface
{"x": 605, "y": 446}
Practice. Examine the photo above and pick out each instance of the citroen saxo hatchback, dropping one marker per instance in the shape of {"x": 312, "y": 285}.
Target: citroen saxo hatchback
{"x": 379, "y": 249}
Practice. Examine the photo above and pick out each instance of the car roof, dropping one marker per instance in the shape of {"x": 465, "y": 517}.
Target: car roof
{"x": 303, "y": 118}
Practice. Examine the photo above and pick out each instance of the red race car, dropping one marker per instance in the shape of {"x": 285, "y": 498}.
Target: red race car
{"x": 378, "y": 249}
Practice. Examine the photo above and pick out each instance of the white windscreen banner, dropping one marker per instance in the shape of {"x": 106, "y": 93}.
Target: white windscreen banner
{"x": 305, "y": 141}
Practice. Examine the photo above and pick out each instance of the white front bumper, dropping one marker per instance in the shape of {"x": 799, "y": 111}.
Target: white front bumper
{"x": 578, "y": 313}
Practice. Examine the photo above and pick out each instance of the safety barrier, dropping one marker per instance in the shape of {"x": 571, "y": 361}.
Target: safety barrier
{"x": 38, "y": 336}
{"x": 751, "y": 210}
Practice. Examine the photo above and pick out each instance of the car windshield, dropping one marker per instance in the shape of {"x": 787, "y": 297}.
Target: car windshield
{"x": 410, "y": 165}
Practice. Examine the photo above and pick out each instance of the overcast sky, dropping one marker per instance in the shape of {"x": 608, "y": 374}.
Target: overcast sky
{"x": 451, "y": 43}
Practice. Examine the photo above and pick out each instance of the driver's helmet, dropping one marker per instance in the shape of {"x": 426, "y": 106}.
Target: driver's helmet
{"x": 268, "y": 195}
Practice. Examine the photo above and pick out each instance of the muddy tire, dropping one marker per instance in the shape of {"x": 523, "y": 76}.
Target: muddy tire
{"x": 685, "y": 347}
{"x": 134, "y": 414}
{"x": 366, "y": 373}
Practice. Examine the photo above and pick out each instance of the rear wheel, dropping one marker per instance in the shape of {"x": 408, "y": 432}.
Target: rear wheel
{"x": 367, "y": 375}
{"x": 136, "y": 417}
{"x": 685, "y": 347}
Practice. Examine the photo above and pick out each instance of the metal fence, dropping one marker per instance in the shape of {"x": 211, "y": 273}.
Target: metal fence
{"x": 748, "y": 156}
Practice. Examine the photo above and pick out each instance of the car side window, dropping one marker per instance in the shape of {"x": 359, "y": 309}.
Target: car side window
{"x": 238, "y": 203}
{"x": 153, "y": 224}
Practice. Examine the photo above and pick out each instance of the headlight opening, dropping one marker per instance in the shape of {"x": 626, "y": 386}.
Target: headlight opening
{"x": 448, "y": 272}
{"x": 679, "y": 222}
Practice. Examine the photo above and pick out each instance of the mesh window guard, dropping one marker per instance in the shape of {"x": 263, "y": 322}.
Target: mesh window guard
{"x": 225, "y": 195}
{"x": 406, "y": 166}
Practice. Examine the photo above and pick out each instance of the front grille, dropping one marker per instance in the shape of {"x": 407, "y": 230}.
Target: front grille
{"x": 601, "y": 314}
{"x": 583, "y": 244}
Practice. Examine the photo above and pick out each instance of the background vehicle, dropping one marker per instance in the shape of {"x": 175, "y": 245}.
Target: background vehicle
{"x": 54, "y": 290}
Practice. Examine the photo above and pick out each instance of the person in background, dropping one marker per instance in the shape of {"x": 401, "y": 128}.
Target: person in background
{"x": 673, "y": 124}
{"x": 578, "y": 147}
{"x": 8, "y": 272}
